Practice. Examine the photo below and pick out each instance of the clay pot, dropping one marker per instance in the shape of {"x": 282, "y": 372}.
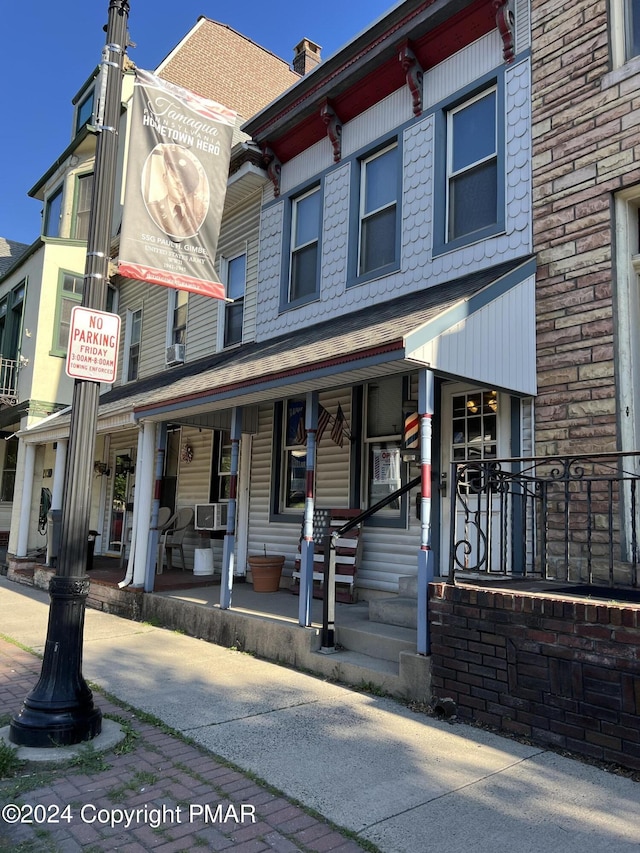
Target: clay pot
{"x": 266, "y": 572}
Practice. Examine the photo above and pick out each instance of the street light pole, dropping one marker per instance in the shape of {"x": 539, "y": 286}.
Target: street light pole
{"x": 60, "y": 710}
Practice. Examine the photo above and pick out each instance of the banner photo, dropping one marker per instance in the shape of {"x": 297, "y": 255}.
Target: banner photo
{"x": 177, "y": 170}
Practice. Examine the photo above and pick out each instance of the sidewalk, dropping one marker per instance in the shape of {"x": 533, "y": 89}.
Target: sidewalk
{"x": 396, "y": 779}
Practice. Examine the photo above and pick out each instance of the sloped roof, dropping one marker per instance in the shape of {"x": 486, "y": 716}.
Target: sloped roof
{"x": 216, "y": 62}
{"x": 10, "y": 252}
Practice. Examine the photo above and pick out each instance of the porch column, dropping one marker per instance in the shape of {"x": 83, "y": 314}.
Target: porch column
{"x": 58, "y": 474}
{"x": 27, "y": 495}
{"x": 152, "y": 532}
{"x": 306, "y": 544}
{"x": 229, "y": 546}
{"x": 142, "y": 504}
{"x": 425, "y": 555}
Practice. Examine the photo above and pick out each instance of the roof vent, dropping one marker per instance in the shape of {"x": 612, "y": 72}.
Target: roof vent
{"x": 306, "y": 56}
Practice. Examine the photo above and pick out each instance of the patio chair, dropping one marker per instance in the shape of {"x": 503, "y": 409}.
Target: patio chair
{"x": 172, "y": 537}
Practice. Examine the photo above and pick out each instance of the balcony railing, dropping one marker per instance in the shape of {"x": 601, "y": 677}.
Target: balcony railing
{"x": 8, "y": 381}
{"x": 572, "y": 518}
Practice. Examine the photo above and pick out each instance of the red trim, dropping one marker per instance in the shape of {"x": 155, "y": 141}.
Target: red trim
{"x": 294, "y": 371}
{"x": 426, "y": 480}
{"x": 167, "y": 279}
{"x": 310, "y": 480}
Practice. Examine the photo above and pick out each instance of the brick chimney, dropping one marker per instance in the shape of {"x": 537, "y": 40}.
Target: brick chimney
{"x": 306, "y": 56}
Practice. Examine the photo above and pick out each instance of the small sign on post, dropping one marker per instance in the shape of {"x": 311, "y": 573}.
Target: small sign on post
{"x": 93, "y": 345}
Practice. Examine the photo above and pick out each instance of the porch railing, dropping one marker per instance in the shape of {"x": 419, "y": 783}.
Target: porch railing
{"x": 8, "y": 381}
{"x": 565, "y": 518}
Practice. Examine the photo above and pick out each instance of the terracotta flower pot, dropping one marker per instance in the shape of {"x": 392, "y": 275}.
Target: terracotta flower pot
{"x": 266, "y": 572}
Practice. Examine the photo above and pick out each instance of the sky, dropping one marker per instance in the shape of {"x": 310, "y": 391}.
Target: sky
{"x": 49, "y": 49}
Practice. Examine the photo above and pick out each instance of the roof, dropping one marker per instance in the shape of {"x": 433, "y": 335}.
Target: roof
{"x": 10, "y": 252}
{"x": 216, "y": 62}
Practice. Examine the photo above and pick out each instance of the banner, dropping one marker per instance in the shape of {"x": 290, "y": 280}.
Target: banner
{"x": 177, "y": 170}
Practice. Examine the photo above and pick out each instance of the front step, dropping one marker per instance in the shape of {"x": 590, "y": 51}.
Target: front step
{"x": 375, "y": 639}
{"x": 401, "y": 611}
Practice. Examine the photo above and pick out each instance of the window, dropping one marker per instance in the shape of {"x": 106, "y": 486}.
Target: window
{"x": 7, "y": 484}
{"x": 84, "y": 111}
{"x": 472, "y": 166}
{"x": 234, "y": 312}
{"x": 383, "y": 442}
{"x": 221, "y": 475}
{"x": 84, "y": 189}
{"x": 294, "y": 456}
{"x": 53, "y": 214}
{"x": 305, "y": 239}
{"x": 475, "y": 431}
{"x": 179, "y": 316}
{"x": 378, "y": 210}
{"x": 71, "y": 287}
{"x": 134, "y": 335}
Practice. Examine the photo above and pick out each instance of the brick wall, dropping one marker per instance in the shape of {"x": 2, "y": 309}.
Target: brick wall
{"x": 563, "y": 673}
{"x": 584, "y": 137}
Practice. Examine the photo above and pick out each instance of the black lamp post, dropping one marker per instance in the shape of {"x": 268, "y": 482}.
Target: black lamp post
{"x": 60, "y": 710}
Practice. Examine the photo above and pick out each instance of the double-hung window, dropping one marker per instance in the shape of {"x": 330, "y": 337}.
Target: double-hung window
{"x": 472, "y": 166}
{"x": 378, "y": 210}
{"x": 134, "y": 336}
{"x": 294, "y": 456}
{"x": 179, "y": 320}
{"x": 383, "y": 442}
{"x": 70, "y": 291}
{"x": 306, "y": 217}
{"x": 84, "y": 110}
{"x": 234, "y": 311}
{"x": 84, "y": 189}
{"x": 53, "y": 214}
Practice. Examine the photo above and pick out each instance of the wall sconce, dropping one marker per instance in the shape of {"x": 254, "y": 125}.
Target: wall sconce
{"x": 124, "y": 465}
{"x": 100, "y": 469}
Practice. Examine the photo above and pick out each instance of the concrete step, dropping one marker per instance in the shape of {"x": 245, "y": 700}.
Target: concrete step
{"x": 408, "y": 586}
{"x": 376, "y": 639}
{"x": 399, "y": 610}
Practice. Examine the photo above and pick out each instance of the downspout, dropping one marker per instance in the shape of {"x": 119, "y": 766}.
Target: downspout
{"x": 134, "y": 522}
{"x": 152, "y": 547}
{"x": 229, "y": 546}
{"x": 425, "y": 555}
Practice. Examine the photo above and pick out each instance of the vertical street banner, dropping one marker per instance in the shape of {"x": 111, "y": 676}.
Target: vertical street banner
{"x": 177, "y": 170}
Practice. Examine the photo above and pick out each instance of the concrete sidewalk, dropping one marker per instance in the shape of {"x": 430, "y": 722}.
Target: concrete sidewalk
{"x": 401, "y": 780}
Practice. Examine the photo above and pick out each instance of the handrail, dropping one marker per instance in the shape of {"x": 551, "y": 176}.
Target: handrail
{"x": 367, "y": 513}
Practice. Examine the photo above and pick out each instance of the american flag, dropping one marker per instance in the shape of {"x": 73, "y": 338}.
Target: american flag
{"x": 301, "y": 433}
{"x": 324, "y": 419}
{"x": 337, "y": 430}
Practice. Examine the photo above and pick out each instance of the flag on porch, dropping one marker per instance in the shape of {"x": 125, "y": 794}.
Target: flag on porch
{"x": 337, "y": 430}
{"x": 324, "y": 418}
{"x": 301, "y": 432}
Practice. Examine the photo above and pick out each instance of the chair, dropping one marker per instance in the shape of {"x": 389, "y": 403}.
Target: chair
{"x": 172, "y": 537}
{"x": 165, "y": 515}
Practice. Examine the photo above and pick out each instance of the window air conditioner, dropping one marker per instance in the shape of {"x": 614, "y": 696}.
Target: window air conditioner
{"x": 175, "y": 354}
{"x": 211, "y": 516}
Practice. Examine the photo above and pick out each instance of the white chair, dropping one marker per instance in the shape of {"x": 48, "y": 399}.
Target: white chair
{"x": 172, "y": 537}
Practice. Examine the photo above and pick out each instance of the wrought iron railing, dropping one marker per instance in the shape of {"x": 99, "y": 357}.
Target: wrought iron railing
{"x": 8, "y": 381}
{"x": 571, "y": 518}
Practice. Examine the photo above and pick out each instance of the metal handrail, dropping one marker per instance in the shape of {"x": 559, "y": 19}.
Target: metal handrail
{"x": 367, "y": 513}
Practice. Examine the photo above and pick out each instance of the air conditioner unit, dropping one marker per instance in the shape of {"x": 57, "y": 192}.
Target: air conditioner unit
{"x": 175, "y": 354}
{"x": 211, "y": 516}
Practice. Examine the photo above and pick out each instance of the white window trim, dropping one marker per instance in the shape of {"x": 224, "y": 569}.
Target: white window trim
{"x": 127, "y": 344}
{"x": 222, "y": 306}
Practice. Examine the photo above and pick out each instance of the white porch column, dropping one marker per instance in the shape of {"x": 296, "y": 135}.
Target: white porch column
{"x": 306, "y": 545}
{"x": 157, "y": 464}
{"x": 425, "y": 555}
{"x": 228, "y": 548}
{"x": 27, "y": 495}
{"x": 142, "y": 503}
{"x": 58, "y": 474}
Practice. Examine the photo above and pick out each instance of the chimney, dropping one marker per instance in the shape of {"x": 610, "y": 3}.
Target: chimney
{"x": 306, "y": 56}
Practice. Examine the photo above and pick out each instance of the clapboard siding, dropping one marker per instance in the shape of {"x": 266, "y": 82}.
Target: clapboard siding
{"x": 153, "y": 300}
{"x": 193, "y": 483}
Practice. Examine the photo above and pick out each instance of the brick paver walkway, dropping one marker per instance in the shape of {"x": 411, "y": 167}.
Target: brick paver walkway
{"x": 175, "y": 795}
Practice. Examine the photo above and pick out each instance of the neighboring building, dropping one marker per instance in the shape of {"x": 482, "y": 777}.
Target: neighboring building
{"x": 389, "y": 254}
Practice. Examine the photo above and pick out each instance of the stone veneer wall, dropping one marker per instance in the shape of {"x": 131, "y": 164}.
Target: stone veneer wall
{"x": 563, "y": 672}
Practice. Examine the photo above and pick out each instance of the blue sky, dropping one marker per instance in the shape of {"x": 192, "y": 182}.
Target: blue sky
{"x": 49, "y": 49}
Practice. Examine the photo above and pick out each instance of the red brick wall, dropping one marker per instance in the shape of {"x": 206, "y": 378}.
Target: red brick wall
{"x": 563, "y": 673}
{"x": 585, "y": 138}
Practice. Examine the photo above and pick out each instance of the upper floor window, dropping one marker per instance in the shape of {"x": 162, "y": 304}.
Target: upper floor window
{"x": 53, "y": 214}
{"x": 133, "y": 338}
{"x": 378, "y": 210}
{"x": 84, "y": 189}
{"x": 84, "y": 111}
{"x": 472, "y": 166}
{"x": 179, "y": 317}
{"x": 234, "y": 312}
{"x": 70, "y": 290}
{"x": 305, "y": 241}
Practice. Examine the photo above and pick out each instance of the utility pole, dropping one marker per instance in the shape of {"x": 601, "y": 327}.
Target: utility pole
{"x": 60, "y": 710}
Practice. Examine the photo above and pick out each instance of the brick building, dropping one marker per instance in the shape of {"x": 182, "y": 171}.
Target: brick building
{"x": 586, "y": 176}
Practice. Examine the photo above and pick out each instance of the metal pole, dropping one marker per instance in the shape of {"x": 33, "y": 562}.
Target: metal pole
{"x": 60, "y": 710}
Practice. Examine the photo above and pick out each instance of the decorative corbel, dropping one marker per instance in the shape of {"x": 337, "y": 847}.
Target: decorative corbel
{"x": 334, "y": 129}
{"x": 505, "y": 22}
{"x": 413, "y": 74}
{"x": 274, "y": 168}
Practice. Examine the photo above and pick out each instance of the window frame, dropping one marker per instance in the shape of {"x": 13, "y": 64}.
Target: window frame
{"x": 54, "y": 197}
{"x": 132, "y": 345}
{"x": 64, "y": 296}
{"x": 79, "y": 212}
{"x": 279, "y": 511}
{"x": 287, "y": 302}
{"x": 237, "y": 306}
{"x": 81, "y": 119}
{"x": 364, "y": 216}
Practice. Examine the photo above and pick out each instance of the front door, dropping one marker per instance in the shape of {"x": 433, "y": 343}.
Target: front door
{"x": 475, "y": 428}
{"x": 121, "y": 500}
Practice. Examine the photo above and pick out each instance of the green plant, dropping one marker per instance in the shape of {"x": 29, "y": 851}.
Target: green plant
{"x": 9, "y": 761}
{"x": 89, "y": 760}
